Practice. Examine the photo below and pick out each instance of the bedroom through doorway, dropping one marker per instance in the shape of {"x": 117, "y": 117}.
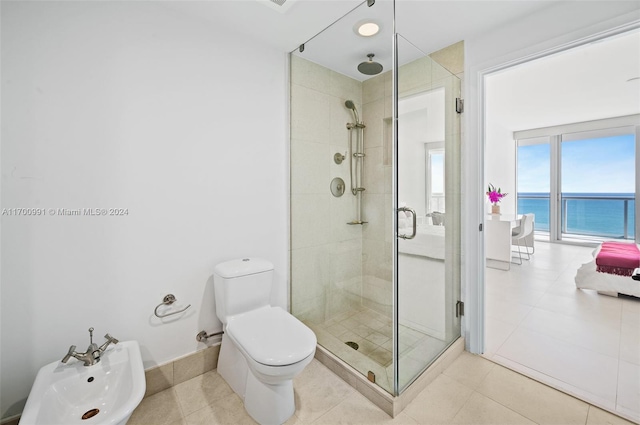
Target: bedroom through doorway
{"x": 561, "y": 141}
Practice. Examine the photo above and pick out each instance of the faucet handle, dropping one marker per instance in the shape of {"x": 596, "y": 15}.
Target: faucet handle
{"x": 71, "y": 352}
{"x": 90, "y": 335}
{"x": 111, "y": 339}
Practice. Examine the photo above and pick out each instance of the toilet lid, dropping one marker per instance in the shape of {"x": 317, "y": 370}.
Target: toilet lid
{"x": 272, "y": 336}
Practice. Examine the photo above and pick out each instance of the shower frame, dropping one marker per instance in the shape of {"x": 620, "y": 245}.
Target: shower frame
{"x": 358, "y": 127}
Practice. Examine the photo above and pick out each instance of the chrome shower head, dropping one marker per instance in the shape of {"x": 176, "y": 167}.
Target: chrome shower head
{"x": 350, "y": 105}
{"x": 370, "y": 67}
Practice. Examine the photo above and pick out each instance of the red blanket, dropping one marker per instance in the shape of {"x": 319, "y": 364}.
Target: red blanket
{"x": 618, "y": 258}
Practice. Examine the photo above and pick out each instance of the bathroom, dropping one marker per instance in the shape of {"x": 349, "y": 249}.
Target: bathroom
{"x": 183, "y": 125}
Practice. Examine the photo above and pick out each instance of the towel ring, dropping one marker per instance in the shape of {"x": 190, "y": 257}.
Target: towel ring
{"x": 168, "y": 300}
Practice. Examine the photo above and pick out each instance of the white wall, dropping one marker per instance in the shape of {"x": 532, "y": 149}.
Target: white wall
{"x": 500, "y": 163}
{"x": 128, "y": 105}
{"x": 533, "y": 35}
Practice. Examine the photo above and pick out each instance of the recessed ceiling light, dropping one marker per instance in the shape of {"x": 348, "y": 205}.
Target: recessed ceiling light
{"x": 367, "y": 29}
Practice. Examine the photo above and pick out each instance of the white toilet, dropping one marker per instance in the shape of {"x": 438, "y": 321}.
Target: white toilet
{"x": 263, "y": 347}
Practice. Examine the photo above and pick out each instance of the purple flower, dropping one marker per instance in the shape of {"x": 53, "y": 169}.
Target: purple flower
{"x": 495, "y": 195}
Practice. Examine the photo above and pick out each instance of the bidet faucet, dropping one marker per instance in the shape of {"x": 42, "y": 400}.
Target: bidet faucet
{"x": 93, "y": 353}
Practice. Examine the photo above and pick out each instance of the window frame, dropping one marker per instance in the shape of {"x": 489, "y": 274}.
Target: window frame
{"x": 571, "y": 132}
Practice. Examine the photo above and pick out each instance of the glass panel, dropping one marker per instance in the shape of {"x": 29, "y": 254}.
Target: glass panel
{"x": 598, "y": 186}
{"x": 341, "y": 246}
{"x": 428, "y": 282}
{"x": 434, "y": 176}
{"x": 534, "y": 168}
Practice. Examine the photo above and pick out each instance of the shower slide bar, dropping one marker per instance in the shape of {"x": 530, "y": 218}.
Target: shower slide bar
{"x": 356, "y": 159}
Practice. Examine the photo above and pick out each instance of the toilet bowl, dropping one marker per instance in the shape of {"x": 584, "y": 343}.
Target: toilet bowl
{"x": 263, "y": 347}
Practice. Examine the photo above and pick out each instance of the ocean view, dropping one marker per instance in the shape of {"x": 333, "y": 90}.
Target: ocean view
{"x": 594, "y": 214}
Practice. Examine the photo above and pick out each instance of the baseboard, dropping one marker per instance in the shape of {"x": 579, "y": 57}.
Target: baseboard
{"x": 13, "y": 420}
{"x": 162, "y": 377}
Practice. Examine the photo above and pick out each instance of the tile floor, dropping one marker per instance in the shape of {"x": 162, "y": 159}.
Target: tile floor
{"x": 372, "y": 332}
{"x": 584, "y": 343}
{"x": 472, "y": 390}
{"x": 538, "y": 323}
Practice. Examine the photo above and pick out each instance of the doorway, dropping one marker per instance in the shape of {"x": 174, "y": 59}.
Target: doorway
{"x": 536, "y": 321}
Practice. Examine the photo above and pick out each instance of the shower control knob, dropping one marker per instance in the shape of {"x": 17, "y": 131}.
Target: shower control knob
{"x": 337, "y": 187}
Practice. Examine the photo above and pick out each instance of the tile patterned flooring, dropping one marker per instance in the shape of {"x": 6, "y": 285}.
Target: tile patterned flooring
{"x": 538, "y": 323}
{"x": 369, "y": 329}
{"x": 472, "y": 390}
{"x": 372, "y": 332}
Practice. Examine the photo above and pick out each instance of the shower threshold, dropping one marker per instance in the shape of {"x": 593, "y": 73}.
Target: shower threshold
{"x": 385, "y": 401}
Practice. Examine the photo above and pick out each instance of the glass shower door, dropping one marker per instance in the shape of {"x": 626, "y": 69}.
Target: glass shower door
{"x": 427, "y": 197}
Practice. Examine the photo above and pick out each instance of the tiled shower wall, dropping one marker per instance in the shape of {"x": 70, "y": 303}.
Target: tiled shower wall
{"x": 377, "y": 236}
{"x": 335, "y": 265}
{"x": 326, "y": 252}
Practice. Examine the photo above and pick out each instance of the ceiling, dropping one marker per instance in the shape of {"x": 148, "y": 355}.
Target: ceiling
{"x": 595, "y": 81}
{"x": 570, "y": 87}
{"x": 428, "y": 24}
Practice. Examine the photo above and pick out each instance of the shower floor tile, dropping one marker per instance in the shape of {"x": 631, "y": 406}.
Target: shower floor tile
{"x": 372, "y": 332}
{"x": 379, "y": 339}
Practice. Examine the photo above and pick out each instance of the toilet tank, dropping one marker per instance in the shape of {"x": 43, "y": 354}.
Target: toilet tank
{"x": 242, "y": 285}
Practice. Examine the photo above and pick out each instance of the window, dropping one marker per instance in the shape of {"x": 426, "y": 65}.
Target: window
{"x": 598, "y": 184}
{"x": 580, "y": 185}
{"x": 435, "y": 176}
{"x": 534, "y": 180}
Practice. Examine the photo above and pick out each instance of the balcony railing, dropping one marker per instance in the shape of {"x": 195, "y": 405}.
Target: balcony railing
{"x": 595, "y": 215}
{"x": 610, "y": 216}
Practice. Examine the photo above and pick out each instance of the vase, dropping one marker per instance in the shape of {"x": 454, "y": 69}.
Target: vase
{"x": 495, "y": 209}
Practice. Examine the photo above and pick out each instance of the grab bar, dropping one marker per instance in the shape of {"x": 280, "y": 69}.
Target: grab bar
{"x": 168, "y": 300}
{"x": 415, "y": 223}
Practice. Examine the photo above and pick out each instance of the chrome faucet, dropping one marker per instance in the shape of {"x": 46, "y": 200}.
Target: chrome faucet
{"x": 93, "y": 353}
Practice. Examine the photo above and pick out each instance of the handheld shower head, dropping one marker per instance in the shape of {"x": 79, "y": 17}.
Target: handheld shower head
{"x": 350, "y": 105}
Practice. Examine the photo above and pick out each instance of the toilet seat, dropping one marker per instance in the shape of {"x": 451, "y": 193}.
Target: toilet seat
{"x": 271, "y": 336}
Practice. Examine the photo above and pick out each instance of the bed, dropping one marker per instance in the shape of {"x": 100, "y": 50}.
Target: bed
{"x": 429, "y": 242}
{"x": 588, "y": 277}
{"x": 422, "y": 291}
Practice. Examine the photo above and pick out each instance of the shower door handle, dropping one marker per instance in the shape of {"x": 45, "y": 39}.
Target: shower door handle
{"x": 415, "y": 223}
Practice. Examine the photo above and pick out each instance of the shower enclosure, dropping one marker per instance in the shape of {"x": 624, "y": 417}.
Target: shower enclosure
{"x": 375, "y": 270}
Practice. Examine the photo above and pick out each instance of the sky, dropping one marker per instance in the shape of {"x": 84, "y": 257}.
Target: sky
{"x": 603, "y": 165}
{"x": 437, "y": 173}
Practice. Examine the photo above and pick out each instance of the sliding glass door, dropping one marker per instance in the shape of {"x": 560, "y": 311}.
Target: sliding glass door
{"x": 534, "y": 180}
{"x": 598, "y": 184}
{"x": 579, "y": 185}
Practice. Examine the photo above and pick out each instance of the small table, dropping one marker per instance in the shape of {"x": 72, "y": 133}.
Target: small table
{"x": 497, "y": 245}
